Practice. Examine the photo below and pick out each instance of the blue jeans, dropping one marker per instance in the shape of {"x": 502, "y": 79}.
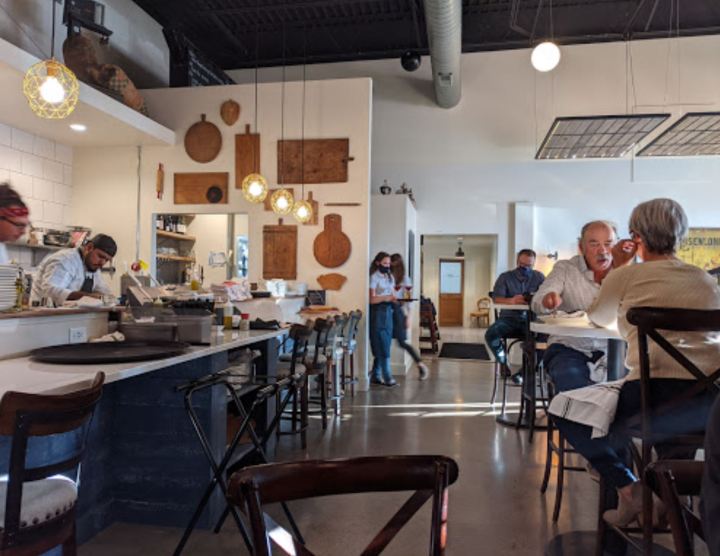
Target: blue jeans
{"x": 504, "y": 328}
{"x": 381, "y": 334}
{"x": 400, "y": 333}
{"x": 568, "y": 367}
{"x": 609, "y": 455}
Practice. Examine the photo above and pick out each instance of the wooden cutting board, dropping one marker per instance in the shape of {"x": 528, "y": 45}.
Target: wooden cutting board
{"x": 280, "y": 252}
{"x": 326, "y": 161}
{"x": 203, "y": 141}
{"x": 201, "y": 188}
{"x": 331, "y": 246}
{"x": 230, "y": 112}
{"x": 332, "y": 281}
{"x": 247, "y": 155}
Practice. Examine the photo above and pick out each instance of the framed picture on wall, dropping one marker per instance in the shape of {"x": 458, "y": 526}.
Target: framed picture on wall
{"x": 702, "y": 248}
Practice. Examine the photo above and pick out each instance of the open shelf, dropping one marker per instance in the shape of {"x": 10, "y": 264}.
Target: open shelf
{"x": 173, "y": 235}
{"x": 175, "y": 258}
{"x": 109, "y": 122}
{"x": 38, "y": 246}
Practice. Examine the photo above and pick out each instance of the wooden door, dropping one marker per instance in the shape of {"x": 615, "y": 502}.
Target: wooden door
{"x": 451, "y": 292}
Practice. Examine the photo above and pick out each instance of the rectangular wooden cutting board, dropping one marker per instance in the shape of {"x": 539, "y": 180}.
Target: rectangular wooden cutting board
{"x": 326, "y": 161}
{"x": 247, "y": 155}
{"x": 192, "y": 188}
{"x": 280, "y": 252}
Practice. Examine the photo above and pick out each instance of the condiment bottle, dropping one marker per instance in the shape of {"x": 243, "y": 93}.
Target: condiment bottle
{"x": 227, "y": 314}
{"x": 244, "y": 321}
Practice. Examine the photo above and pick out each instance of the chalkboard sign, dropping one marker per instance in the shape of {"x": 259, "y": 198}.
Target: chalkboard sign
{"x": 189, "y": 67}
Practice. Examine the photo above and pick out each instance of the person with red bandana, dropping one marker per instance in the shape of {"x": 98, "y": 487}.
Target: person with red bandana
{"x": 14, "y": 218}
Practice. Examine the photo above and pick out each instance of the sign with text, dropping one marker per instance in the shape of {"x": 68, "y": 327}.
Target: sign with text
{"x": 702, "y": 248}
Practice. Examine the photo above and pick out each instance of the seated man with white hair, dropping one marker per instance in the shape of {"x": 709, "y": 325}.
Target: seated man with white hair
{"x": 572, "y": 286}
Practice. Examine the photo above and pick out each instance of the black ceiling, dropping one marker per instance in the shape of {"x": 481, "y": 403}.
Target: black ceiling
{"x": 341, "y": 30}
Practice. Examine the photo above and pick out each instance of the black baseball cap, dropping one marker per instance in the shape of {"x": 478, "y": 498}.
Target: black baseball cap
{"x": 104, "y": 243}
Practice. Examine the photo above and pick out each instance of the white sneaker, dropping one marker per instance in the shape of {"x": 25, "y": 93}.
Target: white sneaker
{"x": 424, "y": 371}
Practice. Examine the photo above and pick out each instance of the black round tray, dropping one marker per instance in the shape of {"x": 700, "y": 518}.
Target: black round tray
{"x": 108, "y": 352}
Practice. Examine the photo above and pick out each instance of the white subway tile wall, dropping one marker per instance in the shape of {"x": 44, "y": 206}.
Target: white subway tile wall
{"x": 41, "y": 171}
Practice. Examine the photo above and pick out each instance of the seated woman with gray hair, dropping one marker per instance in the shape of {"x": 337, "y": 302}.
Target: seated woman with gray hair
{"x": 657, "y": 228}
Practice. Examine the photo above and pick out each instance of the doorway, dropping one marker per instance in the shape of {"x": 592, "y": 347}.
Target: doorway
{"x": 451, "y": 292}
{"x": 476, "y": 274}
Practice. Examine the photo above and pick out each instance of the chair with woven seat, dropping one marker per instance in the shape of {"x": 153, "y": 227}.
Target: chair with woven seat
{"x": 482, "y": 315}
{"x": 299, "y": 335}
{"x": 429, "y": 476}
{"x": 38, "y": 504}
{"x": 643, "y": 426}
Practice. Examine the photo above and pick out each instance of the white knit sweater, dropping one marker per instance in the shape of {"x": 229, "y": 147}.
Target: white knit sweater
{"x": 663, "y": 283}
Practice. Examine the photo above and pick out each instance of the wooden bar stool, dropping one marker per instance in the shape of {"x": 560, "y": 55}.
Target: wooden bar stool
{"x": 349, "y": 345}
{"x": 38, "y": 504}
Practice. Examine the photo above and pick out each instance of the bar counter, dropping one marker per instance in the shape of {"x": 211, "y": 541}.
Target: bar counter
{"x": 143, "y": 462}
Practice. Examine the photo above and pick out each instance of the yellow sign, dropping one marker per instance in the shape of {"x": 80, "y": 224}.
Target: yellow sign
{"x": 702, "y": 248}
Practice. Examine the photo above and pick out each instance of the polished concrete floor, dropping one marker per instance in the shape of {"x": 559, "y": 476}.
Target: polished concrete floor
{"x": 495, "y": 508}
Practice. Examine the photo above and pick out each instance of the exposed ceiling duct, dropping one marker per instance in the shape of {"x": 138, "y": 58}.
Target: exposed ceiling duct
{"x": 444, "y": 29}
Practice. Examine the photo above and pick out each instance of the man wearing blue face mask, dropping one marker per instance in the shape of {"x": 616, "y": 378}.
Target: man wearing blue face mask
{"x": 513, "y": 287}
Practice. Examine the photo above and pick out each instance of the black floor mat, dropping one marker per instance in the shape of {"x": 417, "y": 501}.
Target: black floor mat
{"x": 464, "y": 351}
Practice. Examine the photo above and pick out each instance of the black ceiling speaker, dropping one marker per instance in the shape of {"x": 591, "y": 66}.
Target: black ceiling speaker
{"x": 410, "y": 60}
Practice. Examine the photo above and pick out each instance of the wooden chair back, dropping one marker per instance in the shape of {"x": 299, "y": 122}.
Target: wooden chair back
{"x": 428, "y": 476}
{"x": 300, "y": 336}
{"x": 650, "y": 322}
{"x": 321, "y": 328}
{"x": 484, "y": 304}
{"x": 23, "y": 416}
{"x": 351, "y": 330}
{"x": 673, "y": 480}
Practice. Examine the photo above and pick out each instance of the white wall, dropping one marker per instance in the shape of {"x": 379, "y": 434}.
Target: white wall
{"x": 211, "y": 233}
{"x": 467, "y": 164}
{"x": 105, "y": 179}
{"x": 41, "y": 171}
{"x": 137, "y": 44}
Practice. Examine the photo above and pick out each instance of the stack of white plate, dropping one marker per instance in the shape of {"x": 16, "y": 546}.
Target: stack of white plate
{"x": 8, "y": 292}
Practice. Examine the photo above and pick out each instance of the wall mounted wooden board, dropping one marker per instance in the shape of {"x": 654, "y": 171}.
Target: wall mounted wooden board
{"x": 266, "y": 202}
{"x": 280, "y": 252}
{"x": 326, "y": 161}
{"x": 247, "y": 155}
{"x": 203, "y": 141}
{"x": 201, "y": 188}
{"x": 331, "y": 246}
{"x": 332, "y": 281}
{"x": 315, "y": 208}
{"x": 230, "y": 112}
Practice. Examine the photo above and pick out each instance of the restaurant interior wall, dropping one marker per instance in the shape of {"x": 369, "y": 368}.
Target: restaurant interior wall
{"x": 468, "y": 164}
{"x": 106, "y": 178}
{"x": 137, "y": 44}
{"x": 41, "y": 171}
{"x": 479, "y": 268}
{"x": 211, "y": 233}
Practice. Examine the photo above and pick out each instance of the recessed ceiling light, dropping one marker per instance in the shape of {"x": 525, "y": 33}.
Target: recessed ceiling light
{"x": 78, "y": 127}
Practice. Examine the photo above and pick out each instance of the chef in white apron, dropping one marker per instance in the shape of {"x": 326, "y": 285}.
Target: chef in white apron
{"x": 14, "y": 218}
{"x": 74, "y": 273}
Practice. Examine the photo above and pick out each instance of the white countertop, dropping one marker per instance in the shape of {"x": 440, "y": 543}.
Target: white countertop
{"x": 24, "y": 375}
{"x": 574, "y": 327}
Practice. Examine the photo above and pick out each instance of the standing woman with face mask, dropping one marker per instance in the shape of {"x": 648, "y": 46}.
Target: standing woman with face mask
{"x": 382, "y": 300}
{"x": 401, "y": 312}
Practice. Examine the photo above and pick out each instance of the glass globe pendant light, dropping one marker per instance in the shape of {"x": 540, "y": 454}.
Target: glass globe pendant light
{"x": 282, "y": 200}
{"x": 545, "y": 56}
{"x": 255, "y": 186}
{"x": 50, "y": 87}
{"x": 302, "y": 210}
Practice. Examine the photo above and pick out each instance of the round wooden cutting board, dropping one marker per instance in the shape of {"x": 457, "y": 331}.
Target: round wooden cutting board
{"x": 331, "y": 246}
{"x": 203, "y": 141}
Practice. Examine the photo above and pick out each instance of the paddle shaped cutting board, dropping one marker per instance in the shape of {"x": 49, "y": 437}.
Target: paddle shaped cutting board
{"x": 331, "y": 246}
{"x": 203, "y": 141}
{"x": 247, "y": 155}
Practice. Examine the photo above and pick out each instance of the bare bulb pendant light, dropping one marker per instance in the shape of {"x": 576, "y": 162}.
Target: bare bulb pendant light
{"x": 546, "y": 55}
{"x": 302, "y": 210}
{"x": 255, "y": 186}
{"x": 282, "y": 200}
{"x": 50, "y": 87}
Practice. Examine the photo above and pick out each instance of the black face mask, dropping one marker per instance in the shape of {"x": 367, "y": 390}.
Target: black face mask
{"x": 384, "y": 269}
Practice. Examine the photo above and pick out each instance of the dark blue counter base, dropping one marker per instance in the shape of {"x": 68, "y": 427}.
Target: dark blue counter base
{"x": 143, "y": 462}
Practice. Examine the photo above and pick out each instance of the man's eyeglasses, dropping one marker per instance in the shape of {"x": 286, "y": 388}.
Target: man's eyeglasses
{"x": 18, "y": 225}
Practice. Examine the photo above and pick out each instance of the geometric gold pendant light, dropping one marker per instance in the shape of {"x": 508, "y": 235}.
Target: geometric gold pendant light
{"x": 51, "y": 88}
